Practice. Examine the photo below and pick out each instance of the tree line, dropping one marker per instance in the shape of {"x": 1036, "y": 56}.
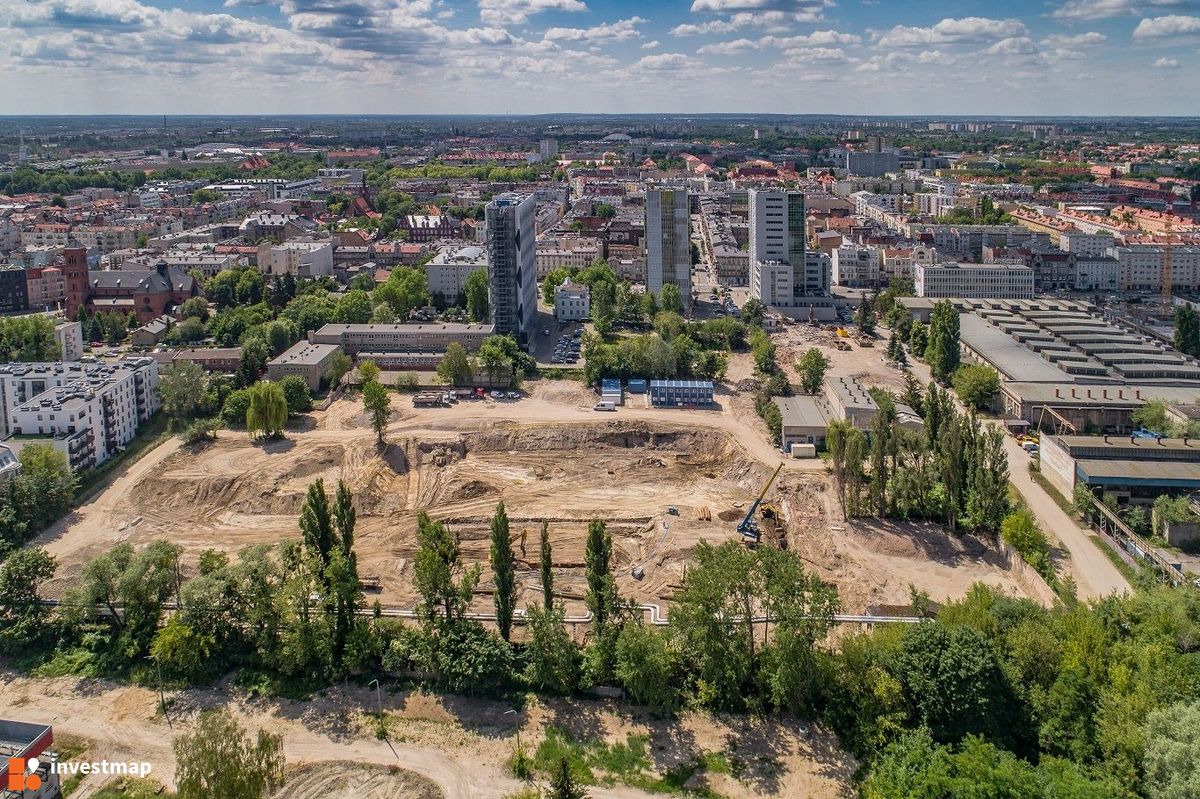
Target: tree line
{"x": 991, "y": 696}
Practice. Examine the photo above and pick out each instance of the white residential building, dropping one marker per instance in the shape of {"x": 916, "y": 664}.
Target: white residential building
{"x": 982, "y": 281}
{"x": 447, "y": 272}
{"x": 1085, "y": 244}
{"x": 296, "y": 258}
{"x": 1141, "y": 267}
{"x": 1097, "y": 273}
{"x": 69, "y": 337}
{"x": 572, "y": 302}
{"x": 87, "y": 410}
{"x": 856, "y": 266}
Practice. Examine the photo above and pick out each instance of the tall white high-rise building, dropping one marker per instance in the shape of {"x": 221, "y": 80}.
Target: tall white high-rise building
{"x": 668, "y": 241}
{"x": 780, "y": 272}
{"x": 512, "y": 264}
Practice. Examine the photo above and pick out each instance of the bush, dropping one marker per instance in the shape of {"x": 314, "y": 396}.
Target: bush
{"x": 406, "y": 381}
{"x": 296, "y": 392}
{"x": 200, "y": 430}
{"x": 233, "y": 412}
{"x": 1021, "y": 532}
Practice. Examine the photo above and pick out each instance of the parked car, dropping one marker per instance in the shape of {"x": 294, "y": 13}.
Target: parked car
{"x": 604, "y": 405}
{"x": 497, "y": 395}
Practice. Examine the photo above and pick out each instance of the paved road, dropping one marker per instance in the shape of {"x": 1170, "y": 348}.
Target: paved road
{"x": 1095, "y": 575}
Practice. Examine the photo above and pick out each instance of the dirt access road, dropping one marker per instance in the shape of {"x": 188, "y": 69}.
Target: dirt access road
{"x": 460, "y": 744}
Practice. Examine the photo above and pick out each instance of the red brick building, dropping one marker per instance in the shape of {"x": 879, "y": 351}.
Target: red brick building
{"x": 147, "y": 293}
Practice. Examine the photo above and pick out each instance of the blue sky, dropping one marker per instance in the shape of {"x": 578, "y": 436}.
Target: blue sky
{"x": 538, "y": 56}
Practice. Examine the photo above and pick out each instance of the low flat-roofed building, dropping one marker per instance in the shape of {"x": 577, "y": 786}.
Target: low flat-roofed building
{"x": 25, "y": 741}
{"x": 448, "y": 271}
{"x": 1128, "y": 467}
{"x": 805, "y": 419}
{"x": 1000, "y": 281}
{"x": 221, "y": 360}
{"x": 310, "y": 361}
{"x": 409, "y": 337}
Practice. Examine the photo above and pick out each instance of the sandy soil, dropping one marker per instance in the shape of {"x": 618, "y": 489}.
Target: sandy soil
{"x": 459, "y": 745}
{"x": 548, "y": 456}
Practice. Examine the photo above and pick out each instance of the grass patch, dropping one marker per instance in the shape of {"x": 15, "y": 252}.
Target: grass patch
{"x": 1127, "y": 571}
{"x": 1062, "y": 502}
{"x": 559, "y": 373}
{"x": 132, "y": 788}
{"x": 627, "y": 763}
{"x": 69, "y": 747}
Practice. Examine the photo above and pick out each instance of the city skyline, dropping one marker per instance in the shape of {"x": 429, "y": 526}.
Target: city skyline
{"x": 1027, "y": 57}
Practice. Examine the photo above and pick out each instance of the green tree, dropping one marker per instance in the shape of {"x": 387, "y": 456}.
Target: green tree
{"x": 339, "y": 365}
{"x": 941, "y": 349}
{"x": 504, "y": 572}
{"x": 918, "y": 338}
{"x": 1152, "y": 416}
{"x": 895, "y": 349}
{"x": 37, "y": 495}
{"x": 552, "y": 281}
{"x": 552, "y": 658}
{"x": 563, "y": 784}
{"x": 602, "y": 599}
{"x": 476, "y": 289}
{"x": 218, "y": 758}
{"x": 368, "y": 372}
{"x": 267, "y": 411}
{"x": 353, "y": 308}
{"x": 812, "y": 367}
{"x": 455, "y": 367}
{"x": 546, "y": 564}
{"x": 954, "y": 684}
{"x": 754, "y": 313}
{"x": 1187, "y": 330}
{"x": 1020, "y": 531}
{"x": 28, "y": 338}
{"x": 254, "y": 360}
{"x": 670, "y": 298}
{"x": 864, "y": 317}
{"x": 139, "y": 583}
{"x": 297, "y": 394}
{"x": 646, "y": 666}
{"x": 1173, "y": 751}
{"x": 23, "y": 617}
{"x": 316, "y": 523}
{"x": 439, "y": 577}
{"x": 378, "y": 406}
{"x": 405, "y": 290}
{"x": 977, "y": 385}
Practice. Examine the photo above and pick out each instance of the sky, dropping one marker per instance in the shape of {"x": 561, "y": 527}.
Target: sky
{"x": 869, "y": 57}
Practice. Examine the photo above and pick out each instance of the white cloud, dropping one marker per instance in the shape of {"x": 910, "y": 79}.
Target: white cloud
{"x": 737, "y": 46}
{"x": 1104, "y": 9}
{"x": 517, "y": 12}
{"x": 827, "y": 54}
{"x": 1166, "y": 63}
{"x": 665, "y": 62}
{"x": 1015, "y": 45}
{"x": 769, "y": 20}
{"x": 1174, "y": 25}
{"x": 951, "y": 31}
{"x": 734, "y": 6}
{"x": 1078, "y": 40}
{"x": 652, "y": 45}
{"x": 613, "y": 31}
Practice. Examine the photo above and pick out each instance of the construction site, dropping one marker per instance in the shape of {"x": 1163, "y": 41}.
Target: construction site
{"x": 662, "y": 480}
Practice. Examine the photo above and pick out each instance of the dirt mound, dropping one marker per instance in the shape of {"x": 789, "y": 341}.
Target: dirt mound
{"x": 333, "y": 780}
{"x": 469, "y": 490}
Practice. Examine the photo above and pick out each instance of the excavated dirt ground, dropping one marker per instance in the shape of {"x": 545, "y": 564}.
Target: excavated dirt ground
{"x": 548, "y": 457}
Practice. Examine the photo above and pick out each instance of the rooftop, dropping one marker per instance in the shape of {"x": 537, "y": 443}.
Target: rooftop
{"x": 305, "y": 354}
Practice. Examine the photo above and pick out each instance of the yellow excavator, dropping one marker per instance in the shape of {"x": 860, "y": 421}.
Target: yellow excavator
{"x": 749, "y": 525}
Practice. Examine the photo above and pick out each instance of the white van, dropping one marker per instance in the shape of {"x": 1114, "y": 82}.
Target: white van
{"x": 605, "y": 405}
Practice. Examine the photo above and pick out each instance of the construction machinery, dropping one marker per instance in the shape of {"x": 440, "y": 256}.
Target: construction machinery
{"x": 749, "y": 525}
